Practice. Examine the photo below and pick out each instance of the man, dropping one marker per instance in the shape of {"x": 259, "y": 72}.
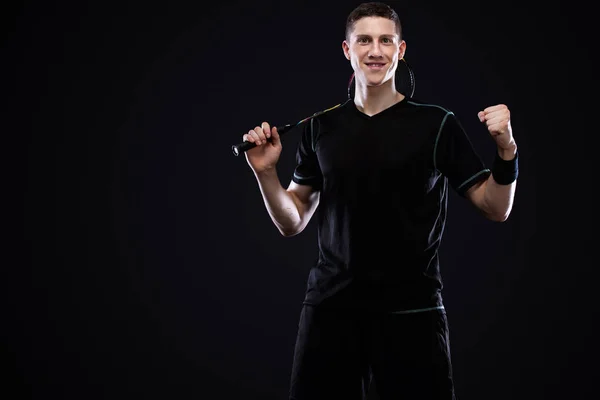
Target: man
{"x": 378, "y": 169}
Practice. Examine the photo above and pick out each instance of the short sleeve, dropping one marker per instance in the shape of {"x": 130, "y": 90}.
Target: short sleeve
{"x": 307, "y": 170}
{"x": 455, "y": 157}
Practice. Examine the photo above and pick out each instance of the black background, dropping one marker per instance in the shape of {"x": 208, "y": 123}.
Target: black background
{"x": 143, "y": 263}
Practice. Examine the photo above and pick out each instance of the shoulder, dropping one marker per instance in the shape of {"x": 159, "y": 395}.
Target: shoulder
{"x": 436, "y": 116}
{"x": 332, "y": 116}
{"x": 334, "y": 110}
{"x": 428, "y": 107}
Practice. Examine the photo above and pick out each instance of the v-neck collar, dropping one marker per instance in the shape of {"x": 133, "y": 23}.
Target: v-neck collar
{"x": 382, "y": 112}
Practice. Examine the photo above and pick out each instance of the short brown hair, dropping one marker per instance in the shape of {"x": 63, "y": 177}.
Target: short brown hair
{"x": 372, "y": 9}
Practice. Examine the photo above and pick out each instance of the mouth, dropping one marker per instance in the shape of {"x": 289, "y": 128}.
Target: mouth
{"x": 375, "y": 66}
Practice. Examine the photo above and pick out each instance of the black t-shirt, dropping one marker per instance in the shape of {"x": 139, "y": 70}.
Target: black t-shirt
{"x": 384, "y": 190}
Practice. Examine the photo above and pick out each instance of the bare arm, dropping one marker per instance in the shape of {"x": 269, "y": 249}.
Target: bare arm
{"x": 290, "y": 209}
{"x": 492, "y": 199}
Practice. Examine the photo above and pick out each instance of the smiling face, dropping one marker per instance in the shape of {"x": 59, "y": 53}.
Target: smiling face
{"x": 374, "y": 47}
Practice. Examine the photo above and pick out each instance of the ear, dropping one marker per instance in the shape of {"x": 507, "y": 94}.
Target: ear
{"x": 346, "y": 49}
{"x": 401, "y": 49}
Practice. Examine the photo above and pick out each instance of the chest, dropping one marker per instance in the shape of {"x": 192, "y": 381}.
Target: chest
{"x": 375, "y": 148}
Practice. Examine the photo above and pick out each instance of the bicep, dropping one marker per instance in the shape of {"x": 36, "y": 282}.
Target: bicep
{"x": 306, "y": 199}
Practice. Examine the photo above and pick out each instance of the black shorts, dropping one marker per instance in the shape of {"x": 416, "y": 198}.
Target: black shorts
{"x": 340, "y": 353}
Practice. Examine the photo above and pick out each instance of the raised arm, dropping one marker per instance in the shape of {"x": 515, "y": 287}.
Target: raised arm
{"x": 290, "y": 209}
{"x": 495, "y": 196}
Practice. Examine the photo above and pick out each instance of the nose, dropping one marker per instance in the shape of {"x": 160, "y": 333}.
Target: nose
{"x": 375, "y": 51}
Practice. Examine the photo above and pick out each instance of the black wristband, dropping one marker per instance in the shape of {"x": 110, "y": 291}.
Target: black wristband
{"x": 505, "y": 172}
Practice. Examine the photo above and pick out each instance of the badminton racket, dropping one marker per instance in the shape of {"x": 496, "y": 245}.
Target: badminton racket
{"x": 405, "y": 84}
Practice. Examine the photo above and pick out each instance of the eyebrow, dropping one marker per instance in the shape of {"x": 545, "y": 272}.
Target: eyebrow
{"x": 364, "y": 35}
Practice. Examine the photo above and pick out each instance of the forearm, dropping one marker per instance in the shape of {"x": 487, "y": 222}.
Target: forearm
{"x": 281, "y": 205}
{"x": 498, "y": 197}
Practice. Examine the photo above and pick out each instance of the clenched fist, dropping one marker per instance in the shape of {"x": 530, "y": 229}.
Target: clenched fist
{"x": 497, "y": 120}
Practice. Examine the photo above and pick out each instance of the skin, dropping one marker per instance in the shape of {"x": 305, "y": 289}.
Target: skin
{"x": 374, "y": 50}
{"x": 374, "y": 42}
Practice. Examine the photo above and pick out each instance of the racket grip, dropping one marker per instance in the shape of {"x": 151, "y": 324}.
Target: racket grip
{"x": 245, "y": 146}
{"x": 242, "y": 147}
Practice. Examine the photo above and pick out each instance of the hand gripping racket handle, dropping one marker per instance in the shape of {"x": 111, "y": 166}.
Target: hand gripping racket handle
{"x": 245, "y": 146}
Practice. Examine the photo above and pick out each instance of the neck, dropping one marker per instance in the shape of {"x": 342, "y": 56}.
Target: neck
{"x": 374, "y": 99}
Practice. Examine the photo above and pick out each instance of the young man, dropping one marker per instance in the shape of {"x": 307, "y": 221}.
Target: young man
{"x": 378, "y": 169}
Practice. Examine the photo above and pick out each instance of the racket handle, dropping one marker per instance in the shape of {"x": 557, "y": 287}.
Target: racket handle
{"x": 245, "y": 146}
{"x": 242, "y": 147}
